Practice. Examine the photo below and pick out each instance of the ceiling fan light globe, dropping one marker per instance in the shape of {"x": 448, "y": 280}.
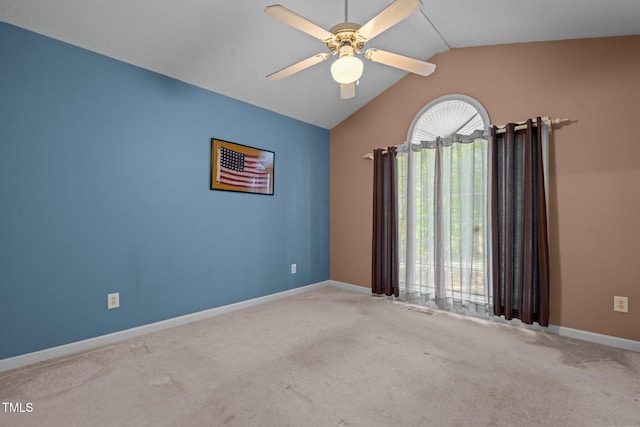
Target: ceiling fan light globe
{"x": 347, "y": 69}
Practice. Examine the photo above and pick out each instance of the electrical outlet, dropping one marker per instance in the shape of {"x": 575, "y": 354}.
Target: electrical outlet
{"x": 294, "y": 269}
{"x": 621, "y": 304}
{"x": 113, "y": 300}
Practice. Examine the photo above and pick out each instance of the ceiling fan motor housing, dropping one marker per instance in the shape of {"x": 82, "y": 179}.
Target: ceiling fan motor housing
{"x": 345, "y": 33}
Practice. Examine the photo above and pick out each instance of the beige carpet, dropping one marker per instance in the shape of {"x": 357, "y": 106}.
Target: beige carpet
{"x": 333, "y": 358}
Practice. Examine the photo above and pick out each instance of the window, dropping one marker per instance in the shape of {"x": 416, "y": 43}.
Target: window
{"x": 443, "y": 205}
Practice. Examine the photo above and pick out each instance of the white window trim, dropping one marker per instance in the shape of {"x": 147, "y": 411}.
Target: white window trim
{"x": 451, "y": 97}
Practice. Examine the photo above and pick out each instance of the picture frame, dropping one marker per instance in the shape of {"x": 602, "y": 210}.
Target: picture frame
{"x": 241, "y": 168}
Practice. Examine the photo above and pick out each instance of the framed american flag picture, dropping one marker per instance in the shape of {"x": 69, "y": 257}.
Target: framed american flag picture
{"x": 236, "y": 167}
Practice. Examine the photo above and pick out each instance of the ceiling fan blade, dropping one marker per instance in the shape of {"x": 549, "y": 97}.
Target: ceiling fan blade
{"x": 390, "y": 16}
{"x": 298, "y": 22}
{"x": 348, "y": 91}
{"x": 399, "y": 61}
{"x": 298, "y": 66}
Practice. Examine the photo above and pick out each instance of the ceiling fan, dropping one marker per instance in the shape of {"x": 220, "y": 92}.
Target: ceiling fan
{"x": 347, "y": 40}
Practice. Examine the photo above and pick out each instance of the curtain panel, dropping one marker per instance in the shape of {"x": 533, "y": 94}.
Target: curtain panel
{"x": 519, "y": 224}
{"x": 384, "y": 276}
{"x": 443, "y": 217}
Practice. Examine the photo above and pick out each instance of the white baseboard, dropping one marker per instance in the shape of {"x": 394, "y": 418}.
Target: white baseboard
{"x": 349, "y": 287}
{"x": 609, "y": 340}
{"x": 88, "y": 344}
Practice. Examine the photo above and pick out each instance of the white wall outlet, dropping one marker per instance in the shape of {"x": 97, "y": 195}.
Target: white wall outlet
{"x": 294, "y": 269}
{"x": 621, "y": 304}
{"x": 113, "y": 300}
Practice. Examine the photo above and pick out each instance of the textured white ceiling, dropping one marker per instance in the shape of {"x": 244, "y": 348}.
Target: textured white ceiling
{"x": 230, "y": 46}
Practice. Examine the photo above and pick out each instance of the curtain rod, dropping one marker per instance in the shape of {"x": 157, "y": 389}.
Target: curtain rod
{"x": 502, "y": 129}
{"x": 545, "y": 121}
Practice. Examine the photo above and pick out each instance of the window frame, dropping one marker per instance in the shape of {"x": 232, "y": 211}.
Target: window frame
{"x": 445, "y": 98}
{"x": 407, "y": 148}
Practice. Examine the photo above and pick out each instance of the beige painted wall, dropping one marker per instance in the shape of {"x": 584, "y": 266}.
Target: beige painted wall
{"x": 594, "y": 199}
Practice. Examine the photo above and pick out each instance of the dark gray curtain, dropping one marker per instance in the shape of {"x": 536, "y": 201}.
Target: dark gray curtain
{"x": 384, "y": 277}
{"x": 519, "y": 225}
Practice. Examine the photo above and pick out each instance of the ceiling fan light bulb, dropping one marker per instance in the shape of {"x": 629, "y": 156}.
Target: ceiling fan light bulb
{"x": 347, "y": 69}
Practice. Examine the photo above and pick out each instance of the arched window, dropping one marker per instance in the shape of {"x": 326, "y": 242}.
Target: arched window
{"x": 443, "y": 205}
{"x": 446, "y": 116}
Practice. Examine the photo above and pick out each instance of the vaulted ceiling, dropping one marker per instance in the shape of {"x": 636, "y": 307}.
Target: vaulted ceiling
{"x": 230, "y": 46}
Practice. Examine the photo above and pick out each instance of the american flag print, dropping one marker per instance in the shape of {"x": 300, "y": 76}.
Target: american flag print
{"x": 243, "y": 170}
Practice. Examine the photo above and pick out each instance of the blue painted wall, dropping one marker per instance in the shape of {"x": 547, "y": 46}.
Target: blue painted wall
{"x": 104, "y": 187}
